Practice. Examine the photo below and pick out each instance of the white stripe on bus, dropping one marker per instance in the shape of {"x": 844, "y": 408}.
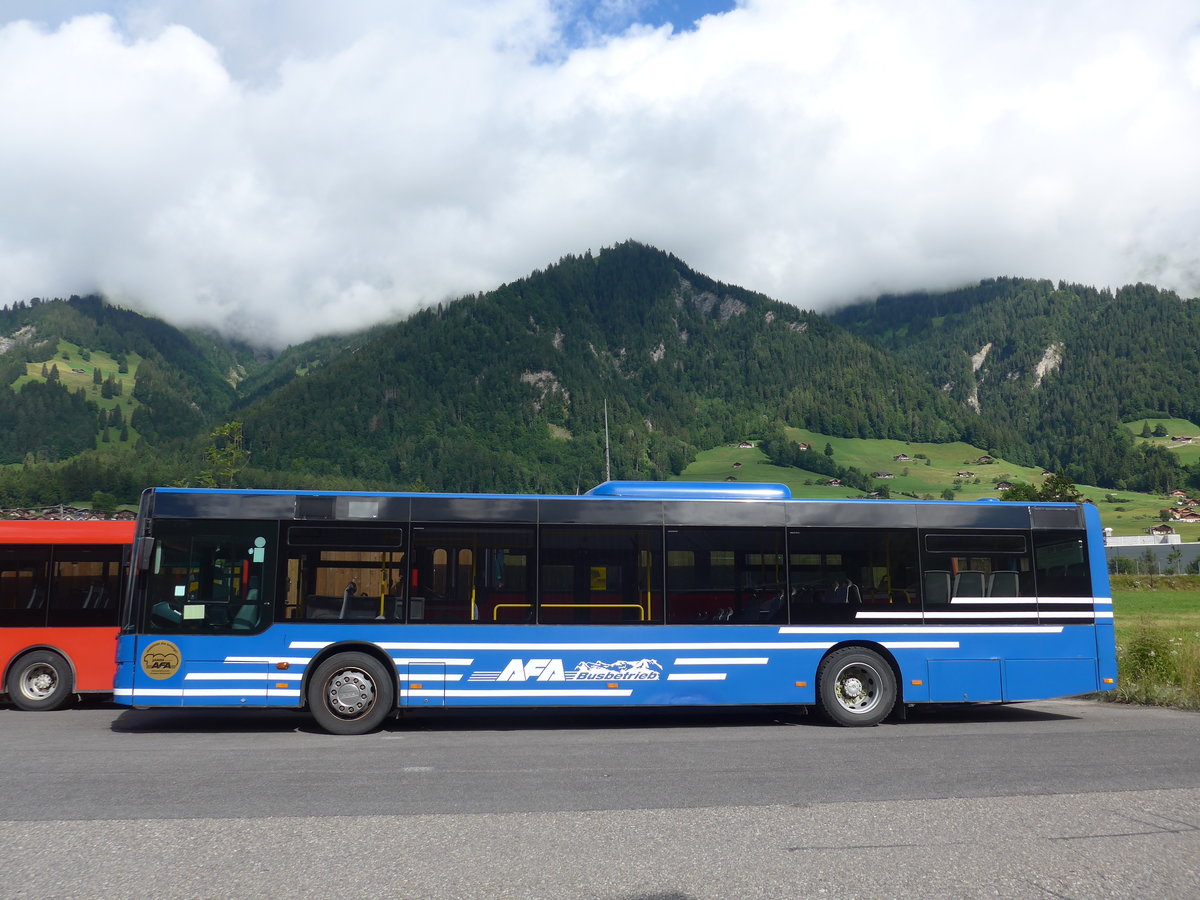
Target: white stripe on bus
{"x": 519, "y": 692}
{"x": 722, "y": 661}
{"x": 551, "y": 645}
{"x": 248, "y": 676}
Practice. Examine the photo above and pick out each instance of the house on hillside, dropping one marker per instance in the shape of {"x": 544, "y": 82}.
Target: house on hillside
{"x": 964, "y": 474}
{"x": 882, "y": 475}
{"x": 1178, "y": 494}
{"x": 1004, "y": 485}
{"x": 901, "y": 457}
{"x": 803, "y": 446}
{"x": 834, "y": 482}
{"x": 1162, "y": 528}
{"x": 984, "y": 461}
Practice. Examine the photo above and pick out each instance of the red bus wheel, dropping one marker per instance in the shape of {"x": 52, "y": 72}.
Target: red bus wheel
{"x": 40, "y": 680}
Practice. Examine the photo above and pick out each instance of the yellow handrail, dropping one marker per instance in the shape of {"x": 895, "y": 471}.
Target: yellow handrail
{"x": 641, "y": 611}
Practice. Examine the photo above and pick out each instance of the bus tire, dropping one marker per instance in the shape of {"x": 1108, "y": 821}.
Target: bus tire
{"x": 40, "y": 680}
{"x": 351, "y": 693}
{"x": 855, "y": 687}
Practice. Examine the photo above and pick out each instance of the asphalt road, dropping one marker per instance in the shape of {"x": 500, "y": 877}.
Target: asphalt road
{"x": 1054, "y": 799}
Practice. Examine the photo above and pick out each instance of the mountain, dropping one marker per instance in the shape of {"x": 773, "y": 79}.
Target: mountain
{"x": 507, "y": 390}
{"x": 1055, "y": 369}
{"x": 512, "y": 390}
{"x": 175, "y": 383}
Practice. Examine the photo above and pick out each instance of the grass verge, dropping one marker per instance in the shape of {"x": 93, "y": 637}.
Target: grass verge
{"x": 1158, "y": 640}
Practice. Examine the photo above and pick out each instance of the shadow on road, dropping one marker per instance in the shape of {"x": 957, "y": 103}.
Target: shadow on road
{"x": 237, "y": 721}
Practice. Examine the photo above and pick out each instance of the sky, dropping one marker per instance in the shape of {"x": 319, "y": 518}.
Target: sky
{"x": 283, "y": 170}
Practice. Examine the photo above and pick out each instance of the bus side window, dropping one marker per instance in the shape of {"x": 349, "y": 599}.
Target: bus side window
{"x": 23, "y": 576}
{"x": 844, "y": 575}
{"x": 979, "y": 567}
{"x": 472, "y": 574}
{"x": 595, "y": 575}
{"x": 725, "y": 575}
{"x": 344, "y": 572}
{"x": 1061, "y": 564}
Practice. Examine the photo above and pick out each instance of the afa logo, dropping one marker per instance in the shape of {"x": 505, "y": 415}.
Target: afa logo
{"x": 161, "y": 660}
{"x": 553, "y": 670}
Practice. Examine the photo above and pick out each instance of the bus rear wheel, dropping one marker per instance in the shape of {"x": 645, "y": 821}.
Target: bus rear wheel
{"x": 351, "y": 693}
{"x": 40, "y": 680}
{"x": 855, "y": 686}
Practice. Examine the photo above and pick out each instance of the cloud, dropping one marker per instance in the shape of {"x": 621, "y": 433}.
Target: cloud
{"x": 321, "y": 170}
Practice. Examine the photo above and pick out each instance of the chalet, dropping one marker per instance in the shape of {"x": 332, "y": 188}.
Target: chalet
{"x": 737, "y": 465}
{"x": 1178, "y": 440}
{"x": 964, "y": 474}
{"x": 1191, "y": 516}
{"x": 1004, "y": 485}
{"x": 882, "y": 475}
{"x": 1163, "y": 528}
{"x": 834, "y": 482}
{"x": 731, "y": 478}
{"x": 984, "y": 461}
{"x": 745, "y": 445}
{"x": 1177, "y": 494}
{"x": 901, "y": 457}
{"x": 803, "y": 446}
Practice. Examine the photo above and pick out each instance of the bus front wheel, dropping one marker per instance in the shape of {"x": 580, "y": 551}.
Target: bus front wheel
{"x": 855, "y": 686}
{"x": 351, "y": 693}
{"x": 40, "y": 680}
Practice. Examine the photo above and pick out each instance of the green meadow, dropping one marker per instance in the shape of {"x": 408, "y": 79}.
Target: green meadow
{"x": 927, "y": 473}
{"x": 1188, "y": 453}
{"x": 75, "y": 372}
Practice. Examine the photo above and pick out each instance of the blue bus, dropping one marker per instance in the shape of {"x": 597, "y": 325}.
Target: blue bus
{"x": 358, "y": 606}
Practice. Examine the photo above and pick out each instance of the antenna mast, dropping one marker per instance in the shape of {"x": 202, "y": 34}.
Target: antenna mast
{"x": 607, "y": 463}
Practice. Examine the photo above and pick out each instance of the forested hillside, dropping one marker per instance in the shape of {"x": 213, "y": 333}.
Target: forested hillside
{"x": 508, "y": 390}
{"x": 1054, "y": 369}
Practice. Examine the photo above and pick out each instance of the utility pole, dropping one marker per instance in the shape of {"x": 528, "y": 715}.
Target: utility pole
{"x": 607, "y": 462}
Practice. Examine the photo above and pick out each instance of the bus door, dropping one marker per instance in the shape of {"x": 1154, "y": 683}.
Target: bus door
{"x": 206, "y": 596}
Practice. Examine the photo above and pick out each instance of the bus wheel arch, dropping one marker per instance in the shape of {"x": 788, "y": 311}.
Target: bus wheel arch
{"x": 858, "y": 685}
{"x": 351, "y": 688}
{"x": 40, "y": 679}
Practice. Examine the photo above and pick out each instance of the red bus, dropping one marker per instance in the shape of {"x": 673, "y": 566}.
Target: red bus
{"x": 60, "y": 595}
